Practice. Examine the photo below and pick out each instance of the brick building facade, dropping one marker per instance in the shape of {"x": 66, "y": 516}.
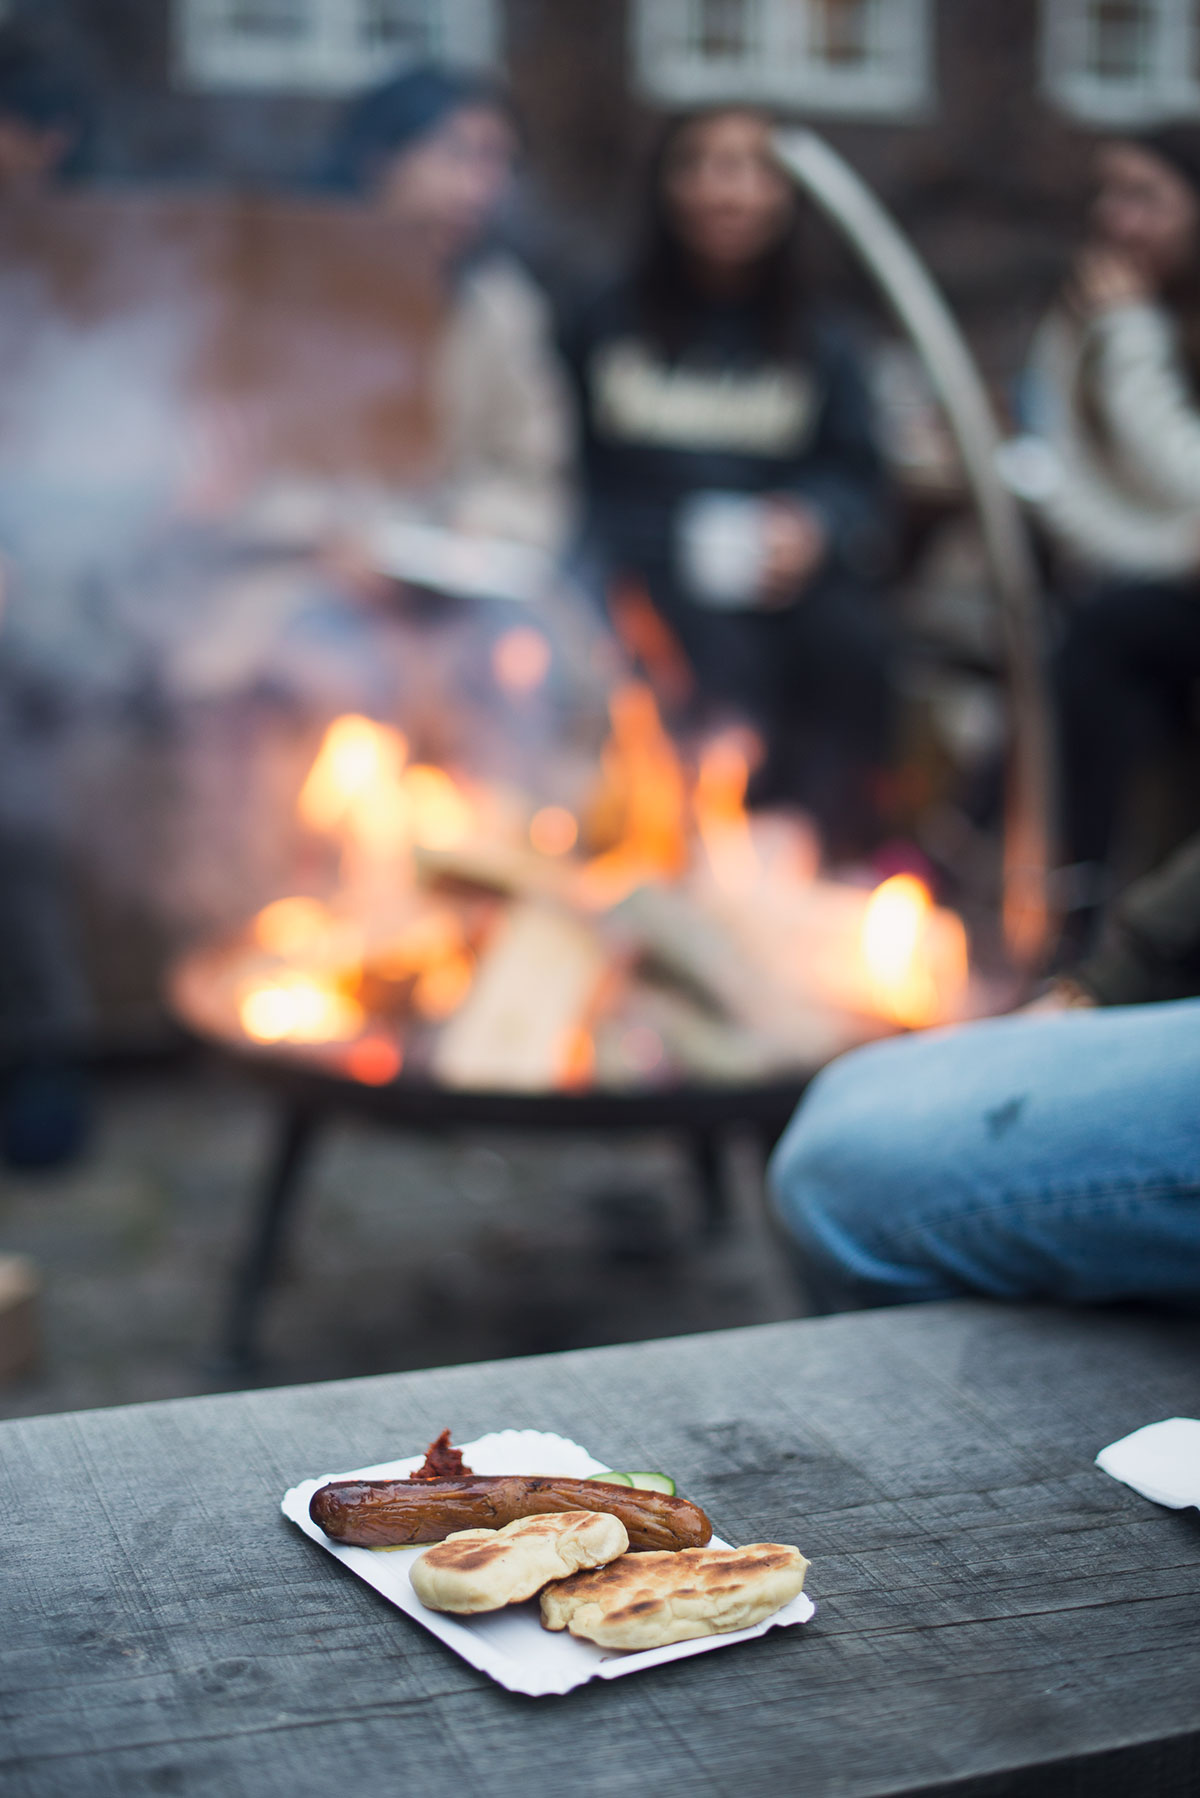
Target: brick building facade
{"x": 966, "y": 137}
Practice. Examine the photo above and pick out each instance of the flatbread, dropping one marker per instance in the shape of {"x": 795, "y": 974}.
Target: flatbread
{"x": 649, "y": 1600}
{"x": 483, "y": 1570}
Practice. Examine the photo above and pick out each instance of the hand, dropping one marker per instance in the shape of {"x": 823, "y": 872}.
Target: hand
{"x": 1104, "y": 279}
{"x": 796, "y": 544}
{"x": 1063, "y": 994}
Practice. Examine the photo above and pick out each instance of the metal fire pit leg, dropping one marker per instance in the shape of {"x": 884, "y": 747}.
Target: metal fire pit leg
{"x": 275, "y": 1207}
{"x": 708, "y": 1164}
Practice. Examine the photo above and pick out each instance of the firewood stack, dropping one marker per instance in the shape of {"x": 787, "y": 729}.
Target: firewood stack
{"x": 662, "y": 935}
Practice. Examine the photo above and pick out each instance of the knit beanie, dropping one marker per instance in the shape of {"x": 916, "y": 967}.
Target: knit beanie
{"x": 396, "y": 115}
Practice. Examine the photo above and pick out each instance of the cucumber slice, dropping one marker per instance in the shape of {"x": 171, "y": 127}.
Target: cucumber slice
{"x": 653, "y": 1482}
{"x": 644, "y": 1482}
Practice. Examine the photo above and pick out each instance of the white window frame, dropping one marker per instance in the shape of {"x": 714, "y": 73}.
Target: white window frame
{"x": 784, "y": 72}
{"x": 327, "y": 58}
{"x": 1169, "y": 87}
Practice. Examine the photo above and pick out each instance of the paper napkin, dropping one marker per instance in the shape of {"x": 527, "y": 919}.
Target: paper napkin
{"x": 1161, "y": 1461}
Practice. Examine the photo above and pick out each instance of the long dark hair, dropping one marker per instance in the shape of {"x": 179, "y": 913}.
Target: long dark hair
{"x": 1178, "y": 146}
{"x": 667, "y": 294}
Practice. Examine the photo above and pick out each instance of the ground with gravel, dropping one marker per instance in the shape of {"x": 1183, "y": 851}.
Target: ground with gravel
{"x": 407, "y": 1252}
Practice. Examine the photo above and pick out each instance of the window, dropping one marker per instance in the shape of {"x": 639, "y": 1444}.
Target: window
{"x": 326, "y": 46}
{"x": 851, "y": 56}
{"x": 1123, "y": 61}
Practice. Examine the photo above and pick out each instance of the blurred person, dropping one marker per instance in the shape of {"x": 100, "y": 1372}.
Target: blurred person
{"x": 1115, "y": 386}
{"x": 44, "y": 1104}
{"x": 383, "y": 388}
{"x": 1051, "y": 1155}
{"x": 731, "y": 468}
{"x": 412, "y": 379}
{"x": 45, "y": 123}
{"x": 439, "y": 332}
{"x": 434, "y": 153}
{"x": 45, "y": 118}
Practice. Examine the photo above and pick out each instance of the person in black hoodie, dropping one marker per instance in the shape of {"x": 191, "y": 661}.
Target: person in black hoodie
{"x": 732, "y": 472}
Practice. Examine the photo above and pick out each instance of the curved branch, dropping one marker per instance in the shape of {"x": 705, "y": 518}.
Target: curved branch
{"x": 910, "y": 291}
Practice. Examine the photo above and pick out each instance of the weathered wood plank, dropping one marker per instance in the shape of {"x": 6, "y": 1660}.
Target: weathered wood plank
{"x": 996, "y": 1616}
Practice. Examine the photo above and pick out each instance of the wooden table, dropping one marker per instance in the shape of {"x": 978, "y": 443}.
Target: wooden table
{"x": 995, "y": 1615}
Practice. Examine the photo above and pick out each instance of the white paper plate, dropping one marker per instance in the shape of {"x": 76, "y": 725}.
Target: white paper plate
{"x": 511, "y": 1646}
{"x": 1161, "y": 1461}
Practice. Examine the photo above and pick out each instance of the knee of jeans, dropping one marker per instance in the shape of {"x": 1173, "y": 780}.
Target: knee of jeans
{"x": 811, "y": 1187}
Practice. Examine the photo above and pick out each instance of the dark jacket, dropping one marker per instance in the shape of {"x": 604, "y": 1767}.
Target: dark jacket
{"x": 1150, "y": 950}
{"x": 723, "y": 415}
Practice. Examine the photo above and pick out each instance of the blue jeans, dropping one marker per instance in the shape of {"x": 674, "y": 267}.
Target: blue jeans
{"x": 1051, "y": 1157}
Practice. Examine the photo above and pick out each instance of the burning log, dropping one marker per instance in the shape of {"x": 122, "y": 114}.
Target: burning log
{"x": 689, "y": 1035}
{"x": 535, "y": 989}
{"x": 499, "y": 867}
{"x": 679, "y": 936}
{"x": 697, "y": 950}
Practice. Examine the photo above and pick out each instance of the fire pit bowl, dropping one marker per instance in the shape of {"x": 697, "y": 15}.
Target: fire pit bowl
{"x": 313, "y": 1086}
{"x": 655, "y": 958}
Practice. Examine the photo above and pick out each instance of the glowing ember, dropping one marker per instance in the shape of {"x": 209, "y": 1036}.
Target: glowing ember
{"x": 297, "y": 1008}
{"x": 374, "y": 1061}
{"x": 914, "y": 956}
{"x": 553, "y": 831}
{"x": 521, "y": 660}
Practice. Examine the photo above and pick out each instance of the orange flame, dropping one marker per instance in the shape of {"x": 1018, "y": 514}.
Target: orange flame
{"x": 356, "y": 758}
{"x": 362, "y": 787}
{"x": 374, "y": 1061}
{"x": 914, "y": 956}
{"x": 642, "y": 770}
{"x": 720, "y": 809}
{"x": 355, "y": 785}
{"x": 647, "y": 637}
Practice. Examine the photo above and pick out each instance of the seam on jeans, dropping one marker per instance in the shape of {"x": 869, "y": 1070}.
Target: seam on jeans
{"x": 1065, "y": 1199}
{"x": 1076, "y": 1193}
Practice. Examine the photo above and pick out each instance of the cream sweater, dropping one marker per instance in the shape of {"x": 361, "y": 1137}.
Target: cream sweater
{"x": 1125, "y": 500}
{"x": 505, "y": 419}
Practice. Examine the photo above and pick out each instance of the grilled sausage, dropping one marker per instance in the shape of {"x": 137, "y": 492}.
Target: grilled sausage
{"x": 394, "y": 1513}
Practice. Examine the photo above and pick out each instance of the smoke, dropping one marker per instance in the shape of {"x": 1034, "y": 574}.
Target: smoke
{"x": 170, "y": 650}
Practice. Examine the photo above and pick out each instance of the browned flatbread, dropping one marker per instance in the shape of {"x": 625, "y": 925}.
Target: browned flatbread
{"x": 483, "y": 1570}
{"x": 650, "y": 1600}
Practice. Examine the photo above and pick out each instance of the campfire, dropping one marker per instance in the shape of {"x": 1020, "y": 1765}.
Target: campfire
{"x": 654, "y": 932}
